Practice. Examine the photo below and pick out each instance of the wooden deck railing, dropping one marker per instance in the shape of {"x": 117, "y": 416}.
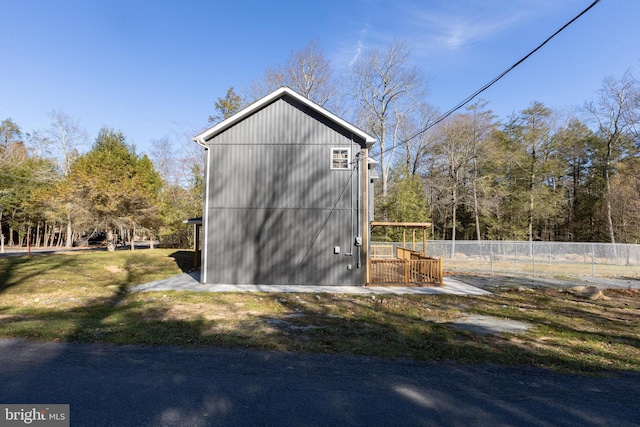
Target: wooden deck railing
{"x": 409, "y": 268}
{"x": 382, "y": 251}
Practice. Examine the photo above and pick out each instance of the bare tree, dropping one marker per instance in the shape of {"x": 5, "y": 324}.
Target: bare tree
{"x": 307, "y": 72}
{"x": 453, "y": 154}
{"x": 166, "y": 159}
{"x": 615, "y": 112}
{"x": 180, "y": 163}
{"x": 482, "y": 122}
{"x": 416, "y": 143}
{"x": 10, "y": 135}
{"x": 386, "y": 89}
{"x": 63, "y": 137}
{"x": 310, "y": 74}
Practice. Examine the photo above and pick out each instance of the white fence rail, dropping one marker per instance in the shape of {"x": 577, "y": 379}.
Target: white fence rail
{"x": 536, "y": 258}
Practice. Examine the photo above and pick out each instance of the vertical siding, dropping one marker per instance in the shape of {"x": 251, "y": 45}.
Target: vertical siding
{"x": 270, "y": 208}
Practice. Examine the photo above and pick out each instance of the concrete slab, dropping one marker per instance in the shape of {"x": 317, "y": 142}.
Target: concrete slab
{"x": 191, "y": 282}
{"x": 485, "y": 325}
{"x": 489, "y": 325}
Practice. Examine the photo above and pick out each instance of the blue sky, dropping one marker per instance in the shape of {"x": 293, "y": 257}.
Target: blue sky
{"x": 155, "y": 68}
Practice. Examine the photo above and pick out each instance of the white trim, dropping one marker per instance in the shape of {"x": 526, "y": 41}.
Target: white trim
{"x": 205, "y": 220}
{"x": 348, "y": 150}
{"x": 202, "y": 138}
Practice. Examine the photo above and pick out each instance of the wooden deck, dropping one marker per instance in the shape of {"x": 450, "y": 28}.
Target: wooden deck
{"x": 408, "y": 268}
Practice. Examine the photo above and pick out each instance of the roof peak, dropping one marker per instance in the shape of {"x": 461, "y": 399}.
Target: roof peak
{"x": 255, "y": 106}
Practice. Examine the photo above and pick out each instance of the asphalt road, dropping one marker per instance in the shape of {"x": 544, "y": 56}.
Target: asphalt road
{"x": 173, "y": 386}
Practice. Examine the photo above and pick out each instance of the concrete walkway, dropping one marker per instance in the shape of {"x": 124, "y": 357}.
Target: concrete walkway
{"x": 191, "y": 282}
{"x": 475, "y": 323}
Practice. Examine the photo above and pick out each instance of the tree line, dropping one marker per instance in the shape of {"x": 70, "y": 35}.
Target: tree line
{"x": 536, "y": 175}
{"x": 51, "y": 194}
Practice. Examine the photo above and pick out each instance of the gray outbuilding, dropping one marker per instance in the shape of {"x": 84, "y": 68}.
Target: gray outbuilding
{"x": 288, "y": 196}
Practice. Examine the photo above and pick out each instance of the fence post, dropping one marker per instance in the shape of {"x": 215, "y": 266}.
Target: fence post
{"x": 593, "y": 260}
{"x": 491, "y": 256}
{"x": 533, "y": 257}
{"x": 626, "y": 246}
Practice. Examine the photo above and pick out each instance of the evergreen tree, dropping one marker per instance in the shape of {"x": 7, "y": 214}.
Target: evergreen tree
{"x": 117, "y": 187}
{"x": 226, "y": 107}
{"x": 406, "y": 201}
{"x": 533, "y": 163}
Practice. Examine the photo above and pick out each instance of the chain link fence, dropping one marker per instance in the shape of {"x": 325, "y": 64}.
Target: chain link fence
{"x": 558, "y": 259}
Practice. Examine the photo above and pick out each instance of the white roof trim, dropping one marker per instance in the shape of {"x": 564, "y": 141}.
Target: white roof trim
{"x": 247, "y": 111}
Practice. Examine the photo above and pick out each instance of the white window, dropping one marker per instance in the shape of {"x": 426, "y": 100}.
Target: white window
{"x": 340, "y": 158}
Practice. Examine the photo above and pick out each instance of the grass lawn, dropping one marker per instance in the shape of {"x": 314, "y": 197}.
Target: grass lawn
{"x": 85, "y": 297}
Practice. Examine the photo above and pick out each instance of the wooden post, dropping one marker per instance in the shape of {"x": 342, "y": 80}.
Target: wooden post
{"x": 424, "y": 241}
{"x": 406, "y": 271}
{"x": 413, "y": 239}
{"x": 433, "y": 266}
{"x": 196, "y": 247}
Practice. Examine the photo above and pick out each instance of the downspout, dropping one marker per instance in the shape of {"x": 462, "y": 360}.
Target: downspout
{"x": 365, "y": 214}
{"x": 358, "y": 240}
{"x": 205, "y": 211}
{"x": 351, "y": 240}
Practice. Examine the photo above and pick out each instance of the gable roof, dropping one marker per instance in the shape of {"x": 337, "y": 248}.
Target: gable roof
{"x": 203, "y": 137}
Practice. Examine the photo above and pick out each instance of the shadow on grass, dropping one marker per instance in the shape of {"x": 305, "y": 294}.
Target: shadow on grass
{"x": 409, "y": 326}
{"x": 10, "y": 277}
{"x": 114, "y": 318}
{"x": 110, "y": 318}
{"x": 375, "y": 331}
{"x": 181, "y": 385}
{"x": 184, "y": 259}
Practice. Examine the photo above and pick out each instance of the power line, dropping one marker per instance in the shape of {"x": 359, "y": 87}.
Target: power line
{"x": 492, "y": 82}
{"x": 438, "y": 120}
